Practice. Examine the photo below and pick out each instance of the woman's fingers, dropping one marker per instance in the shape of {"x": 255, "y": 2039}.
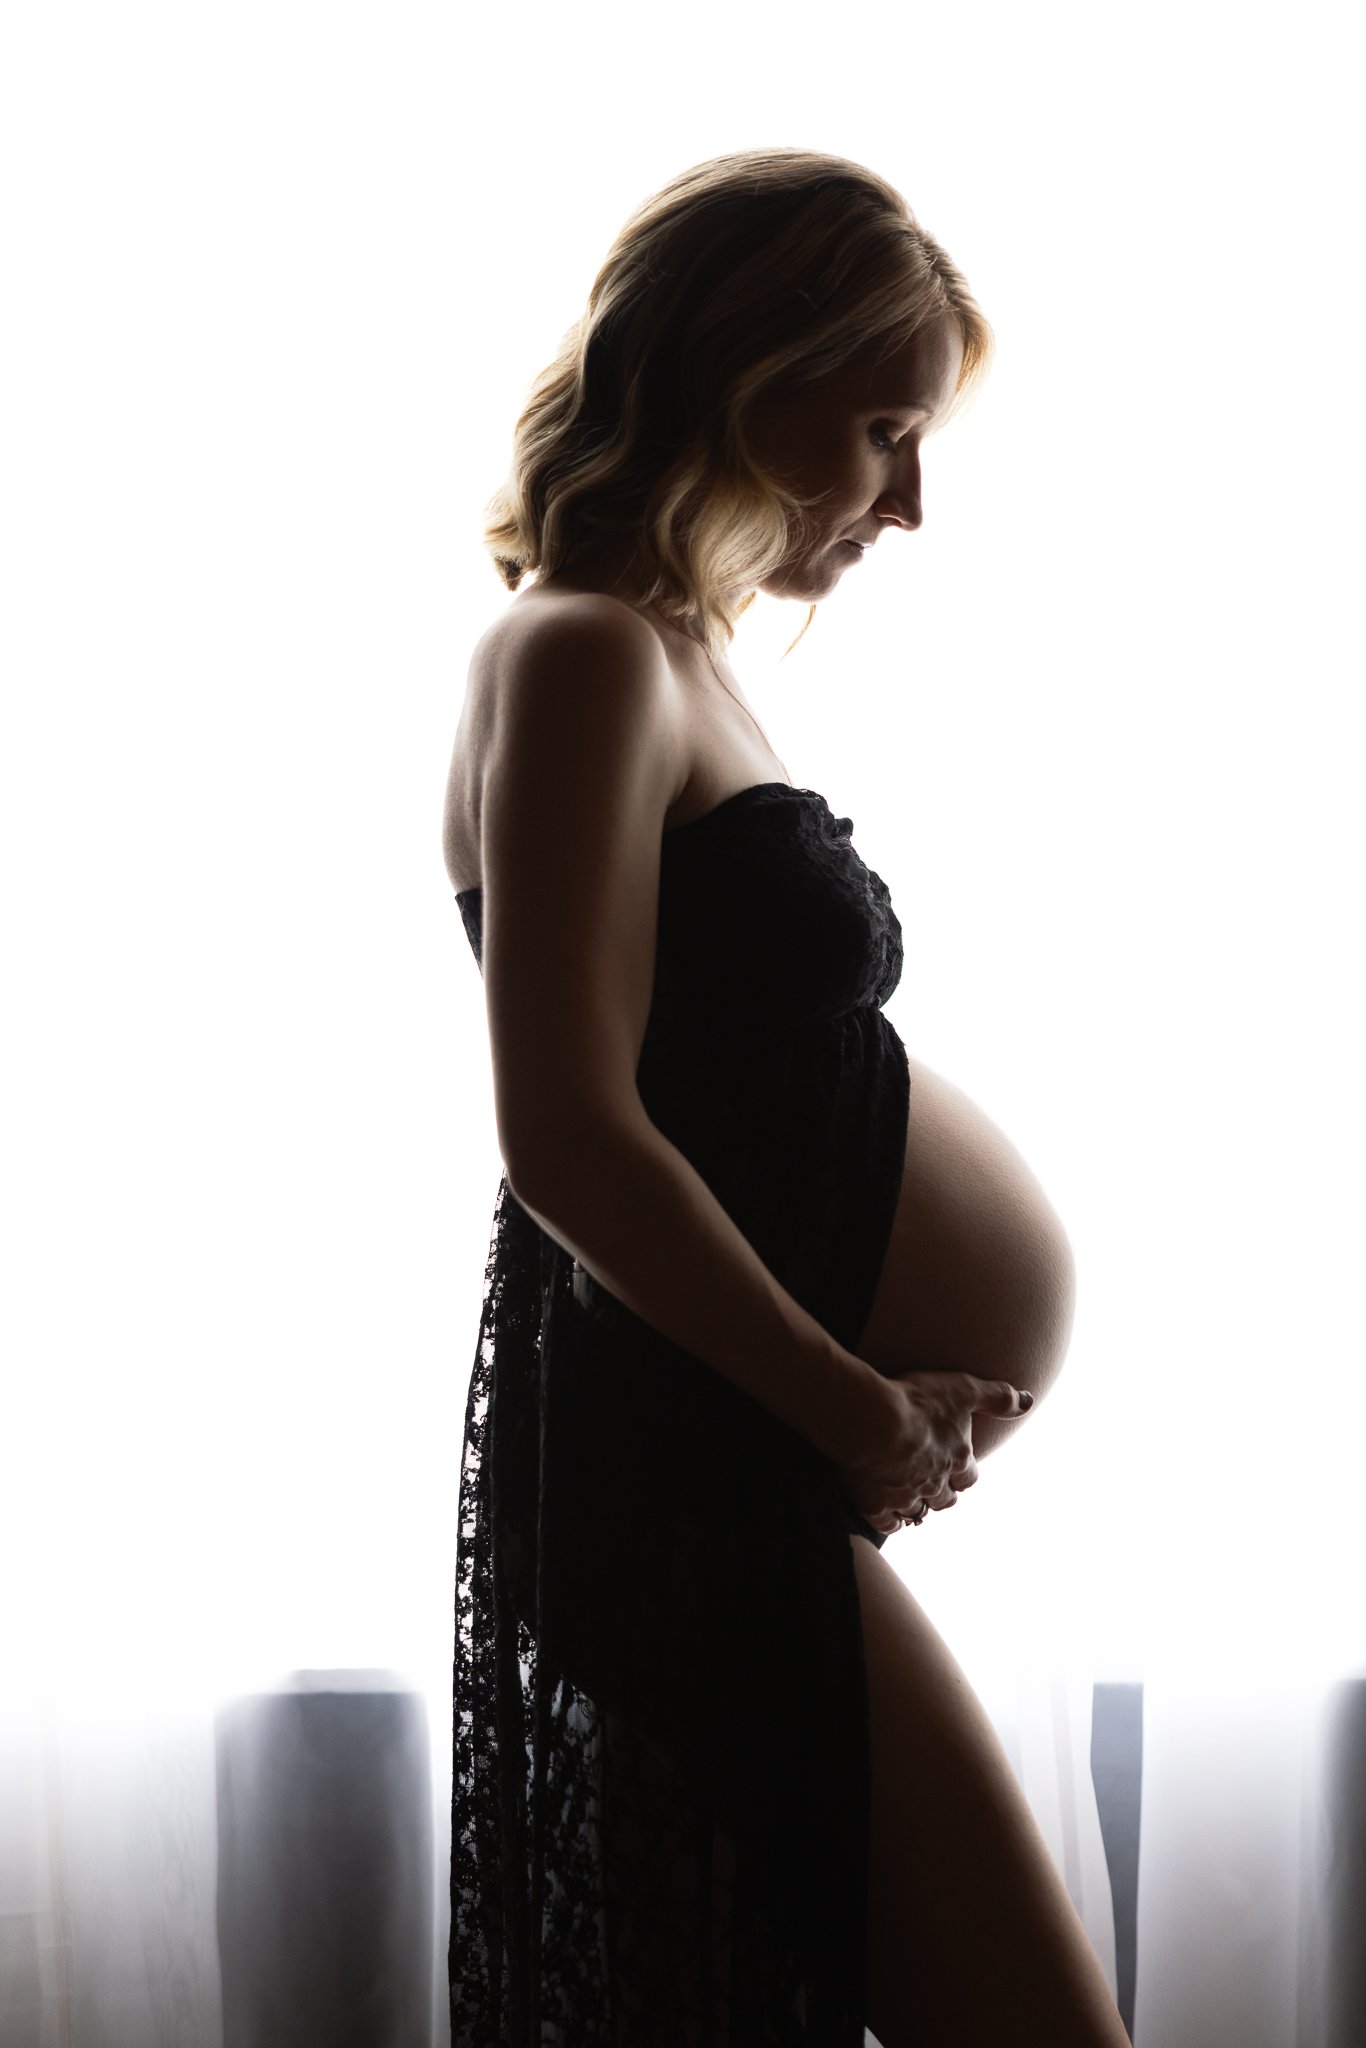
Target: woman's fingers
{"x": 999, "y": 1397}
{"x": 943, "y": 1404}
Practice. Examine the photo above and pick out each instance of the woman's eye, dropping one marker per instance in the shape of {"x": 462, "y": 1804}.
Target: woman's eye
{"x": 883, "y": 440}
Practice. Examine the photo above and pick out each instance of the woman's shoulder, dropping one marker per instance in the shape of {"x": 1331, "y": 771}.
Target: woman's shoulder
{"x": 586, "y": 639}
{"x": 573, "y": 670}
{"x": 561, "y": 612}
{"x": 544, "y": 633}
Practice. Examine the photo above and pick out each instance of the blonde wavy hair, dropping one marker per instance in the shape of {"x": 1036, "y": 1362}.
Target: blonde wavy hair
{"x": 757, "y": 272}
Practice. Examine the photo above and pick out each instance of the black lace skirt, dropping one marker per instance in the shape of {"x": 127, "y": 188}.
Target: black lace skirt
{"x": 660, "y": 1808}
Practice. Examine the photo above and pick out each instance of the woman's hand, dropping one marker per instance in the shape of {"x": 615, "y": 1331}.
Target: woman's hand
{"x": 917, "y": 1443}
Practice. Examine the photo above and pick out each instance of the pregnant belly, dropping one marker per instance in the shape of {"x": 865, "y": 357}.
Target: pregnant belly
{"x": 978, "y": 1275}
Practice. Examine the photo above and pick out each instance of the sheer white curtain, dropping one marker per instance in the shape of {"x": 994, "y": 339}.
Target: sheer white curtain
{"x": 279, "y": 278}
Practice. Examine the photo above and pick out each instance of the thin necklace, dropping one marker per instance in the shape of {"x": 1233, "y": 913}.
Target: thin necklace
{"x": 728, "y": 690}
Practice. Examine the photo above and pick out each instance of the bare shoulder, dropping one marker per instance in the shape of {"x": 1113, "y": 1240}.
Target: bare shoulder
{"x": 579, "y": 755}
{"x": 574, "y": 635}
{"x": 554, "y": 660}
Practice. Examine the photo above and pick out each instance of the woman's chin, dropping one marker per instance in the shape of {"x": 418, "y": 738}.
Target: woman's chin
{"x": 807, "y": 582}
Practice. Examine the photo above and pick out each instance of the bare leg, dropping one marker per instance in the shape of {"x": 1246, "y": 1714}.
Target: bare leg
{"x": 973, "y": 1941}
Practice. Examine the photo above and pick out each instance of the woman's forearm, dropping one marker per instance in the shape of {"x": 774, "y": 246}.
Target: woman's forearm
{"x": 644, "y": 1224}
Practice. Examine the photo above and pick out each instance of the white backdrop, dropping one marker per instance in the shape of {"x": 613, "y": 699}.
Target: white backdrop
{"x": 278, "y": 280}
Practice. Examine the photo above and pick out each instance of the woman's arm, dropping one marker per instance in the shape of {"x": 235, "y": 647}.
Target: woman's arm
{"x": 639, "y": 1217}
{"x": 582, "y": 756}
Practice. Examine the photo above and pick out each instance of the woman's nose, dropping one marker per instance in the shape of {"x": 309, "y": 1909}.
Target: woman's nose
{"x": 901, "y": 508}
{"x": 901, "y": 500}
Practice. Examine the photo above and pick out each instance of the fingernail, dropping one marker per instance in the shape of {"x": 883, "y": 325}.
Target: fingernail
{"x": 1026, "y": 1400}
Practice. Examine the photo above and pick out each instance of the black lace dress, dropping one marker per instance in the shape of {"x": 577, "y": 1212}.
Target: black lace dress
{"x": 661, "y": 1779}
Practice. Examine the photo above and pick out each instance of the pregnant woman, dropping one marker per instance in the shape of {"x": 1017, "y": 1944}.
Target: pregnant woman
{"x": 762, "y": 1291}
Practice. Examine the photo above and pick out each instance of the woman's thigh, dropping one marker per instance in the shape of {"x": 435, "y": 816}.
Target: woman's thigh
{"x": 973, "y": 1941}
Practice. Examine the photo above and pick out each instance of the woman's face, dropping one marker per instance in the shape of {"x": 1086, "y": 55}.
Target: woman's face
{"x": 853, "y": 440}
